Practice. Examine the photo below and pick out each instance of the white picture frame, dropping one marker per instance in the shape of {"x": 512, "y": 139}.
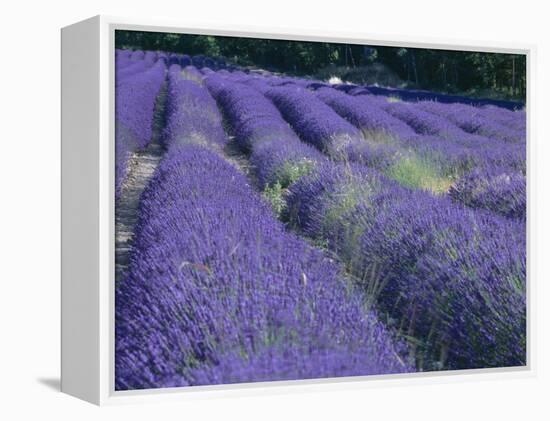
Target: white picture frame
{"x": 88, "y": 215}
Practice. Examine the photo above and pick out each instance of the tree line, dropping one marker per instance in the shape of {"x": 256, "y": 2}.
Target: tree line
{"x": 476, "y": 73}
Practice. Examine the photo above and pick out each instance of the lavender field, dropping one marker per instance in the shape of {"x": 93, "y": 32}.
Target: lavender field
{"x": 272, "y": 227}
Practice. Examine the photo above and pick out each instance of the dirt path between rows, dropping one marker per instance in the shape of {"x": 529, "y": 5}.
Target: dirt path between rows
{"x": 141, "y": 168}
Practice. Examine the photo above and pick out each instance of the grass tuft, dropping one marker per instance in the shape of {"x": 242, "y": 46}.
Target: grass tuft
{"x": 274, "y": 195}
{"x": 415, "y": 172}
{"x": 192, "y": 76}
{"x": 379, "y": 137}
{"x": 342, "y": 203}
{"x": 293, "y": 171}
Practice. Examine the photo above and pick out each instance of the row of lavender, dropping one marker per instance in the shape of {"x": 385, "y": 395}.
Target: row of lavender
{"x": 139, "y": 77}
{"x": 418, "y": 95}
{"x": 481, "y": 168}
{"x": 409, "y": 266}
{"x": 451, "y": 278}
{"x": 409, "y": 95}
{"x": 477, "y": 156}
{"x": 136, "y": 95}
{"x": 218, "y": 291}
{"x": 126, "y": 57}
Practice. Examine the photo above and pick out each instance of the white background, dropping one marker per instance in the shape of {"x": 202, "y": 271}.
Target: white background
{"x": 30, "y": 226}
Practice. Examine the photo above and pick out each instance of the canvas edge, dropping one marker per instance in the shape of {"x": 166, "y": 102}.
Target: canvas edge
{"x": 80, "y": 362}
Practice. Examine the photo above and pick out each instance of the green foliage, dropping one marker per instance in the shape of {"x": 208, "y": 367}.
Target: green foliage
{"x": 191, "y": 76}
{"x": 340, "y": 205}
{"x": 415, "y": 172}
{"x": 274, "y": 195}
{"x": 495, "y": 75}
{"x": 292, "y": 171}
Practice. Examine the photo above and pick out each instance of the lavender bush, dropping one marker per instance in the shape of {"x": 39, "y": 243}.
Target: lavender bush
{"x": 276, "y": 153}
{"x": 135, "y": 103}
{"x": 474, "y": 120}
{"x": 315, "y": 122}
{"x": 497, "y": 189}
{"x": 192, "y": 114}
{"x": 134, "y": 67}
{"x": 216, "y": 286}
{"x": 296, "y": 229}
{"x": 437, "y": 269}
{"x": 423, "y": 150}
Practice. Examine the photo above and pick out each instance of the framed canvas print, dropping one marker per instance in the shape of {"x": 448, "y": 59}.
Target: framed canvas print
{"x": 244, "y": 210}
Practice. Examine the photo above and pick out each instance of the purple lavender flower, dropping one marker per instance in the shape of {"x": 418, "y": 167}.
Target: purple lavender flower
{"x": 136, "y": 97}
{"x": 365, "y": 112}
{"x": 493, "y": 188}
{"x": 474, "y": 120}
{"x": 219, "y": 291}
{"x": 133, "y": 68}
{"x": 440, "y": 271}
{"x": 150, "y": 56}
{"x": 137, "y": 55}
{"x": 192, "y": 115}
{"x": 315, "y": 122}
{"x": 216, "y": 285}
{"x": 122, "y": 54}
{"x": 135, "y": 102}
{"x": 277, "y": 153}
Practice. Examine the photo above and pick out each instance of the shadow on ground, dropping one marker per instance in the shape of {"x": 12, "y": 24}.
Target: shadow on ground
{"x": 53, "y": 383}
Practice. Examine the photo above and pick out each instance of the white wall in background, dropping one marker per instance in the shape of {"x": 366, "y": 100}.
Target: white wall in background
{"x": 29, "y": 211}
